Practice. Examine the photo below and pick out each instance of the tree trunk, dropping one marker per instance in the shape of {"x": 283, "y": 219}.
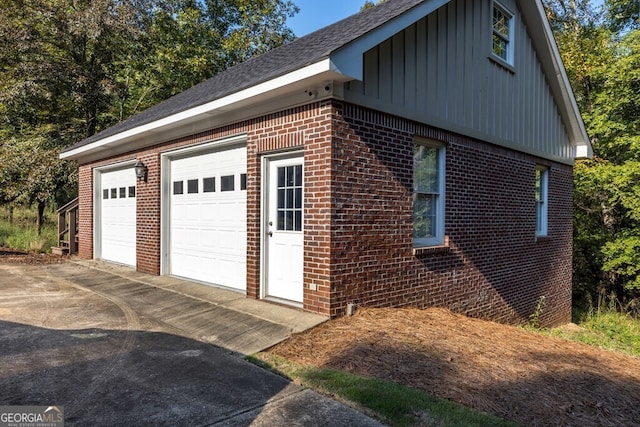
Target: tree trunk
{"x": 10, "y": 208}
{"x": 40, "y": 219}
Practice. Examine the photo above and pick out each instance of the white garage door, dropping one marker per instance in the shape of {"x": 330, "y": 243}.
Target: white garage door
{"x": 118, "y": 216}
{"x": 208, "y": 228}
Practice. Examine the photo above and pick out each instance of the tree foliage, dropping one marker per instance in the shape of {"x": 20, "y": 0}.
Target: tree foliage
{"x": 70, "y": 68}
{"x": 369, "y": 4}
{"x": 601, "y": 51}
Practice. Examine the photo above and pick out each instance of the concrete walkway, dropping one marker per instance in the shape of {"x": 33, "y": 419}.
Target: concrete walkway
{"x": 115, "y": 347}
{"x": 217, "y": 316}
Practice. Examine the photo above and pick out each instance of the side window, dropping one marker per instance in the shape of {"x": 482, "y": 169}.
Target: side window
{"x": 428, "y": 193}
{"x": 542, "y": 197}
{"x": 502, "y": 35}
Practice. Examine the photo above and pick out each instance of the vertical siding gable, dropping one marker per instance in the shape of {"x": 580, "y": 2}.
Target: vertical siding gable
{"x": 438, "y": 71}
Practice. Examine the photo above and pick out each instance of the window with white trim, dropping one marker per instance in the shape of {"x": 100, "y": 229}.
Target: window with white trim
{"x": 542, "y": 183}
{"x": 428, "y": 193}
{"x": 502, "y": 34}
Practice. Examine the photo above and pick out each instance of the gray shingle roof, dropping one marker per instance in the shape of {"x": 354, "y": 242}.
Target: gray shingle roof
{"x": 295, "y": 55}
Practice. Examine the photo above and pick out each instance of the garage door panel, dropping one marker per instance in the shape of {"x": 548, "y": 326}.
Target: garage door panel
{"x": 208, "y": 229}
{"x": 118, "y": 216}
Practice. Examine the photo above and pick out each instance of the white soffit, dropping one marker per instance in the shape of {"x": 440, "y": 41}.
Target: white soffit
{"x": 322, "y": 69}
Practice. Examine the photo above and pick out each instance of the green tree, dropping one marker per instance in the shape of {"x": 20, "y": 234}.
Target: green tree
{"x": 623, "y": 14}
{"x": 189, "y": 41}
{"x": 70, "y": 68}
{"x": 369, "y": 4}
{"x": 601, "y": 51}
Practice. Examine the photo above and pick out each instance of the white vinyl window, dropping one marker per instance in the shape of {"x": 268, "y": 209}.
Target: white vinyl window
{"x": 542, "y": 183}
{"x": 428, "y": 193}
{"x": 502, "y": 35}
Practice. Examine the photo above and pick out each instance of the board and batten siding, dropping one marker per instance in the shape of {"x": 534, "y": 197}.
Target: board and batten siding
{"x": 440, "y": 71}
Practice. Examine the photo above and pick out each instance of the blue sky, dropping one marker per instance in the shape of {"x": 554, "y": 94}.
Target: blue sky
{"x": 315, "y": 14}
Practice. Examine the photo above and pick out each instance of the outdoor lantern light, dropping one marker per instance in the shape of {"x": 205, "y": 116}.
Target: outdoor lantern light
{"x": 141, "y": 170}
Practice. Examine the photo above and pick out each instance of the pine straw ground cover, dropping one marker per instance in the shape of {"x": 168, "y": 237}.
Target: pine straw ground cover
{"x": 515, "y": 374}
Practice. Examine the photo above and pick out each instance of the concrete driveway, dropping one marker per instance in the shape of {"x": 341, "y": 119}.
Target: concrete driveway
{"x": 117, "y": 347}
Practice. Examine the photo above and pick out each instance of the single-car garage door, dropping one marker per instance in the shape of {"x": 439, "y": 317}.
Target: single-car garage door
{"x": 208, "y": 229}
{"x": 118, "y": 216}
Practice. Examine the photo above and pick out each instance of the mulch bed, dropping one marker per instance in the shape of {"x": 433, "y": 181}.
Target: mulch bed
{"x": 503, "y": 370}
{"x": 32, "y": 258}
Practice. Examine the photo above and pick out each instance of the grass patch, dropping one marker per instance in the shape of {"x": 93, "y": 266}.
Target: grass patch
{"x": 606, "y": 328}
{"x": 391, "y": 402}
{"x": 22, "y": 233}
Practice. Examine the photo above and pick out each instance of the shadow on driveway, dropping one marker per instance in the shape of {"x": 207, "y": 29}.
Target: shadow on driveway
{"x": 108, "y": 361}
{"x": 129, "y": 377}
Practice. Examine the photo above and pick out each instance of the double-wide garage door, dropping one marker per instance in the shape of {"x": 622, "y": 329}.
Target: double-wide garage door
{"x": 207, "y": 226}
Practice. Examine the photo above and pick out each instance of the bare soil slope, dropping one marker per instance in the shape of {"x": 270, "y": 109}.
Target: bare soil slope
{"x": 515, "y": 374}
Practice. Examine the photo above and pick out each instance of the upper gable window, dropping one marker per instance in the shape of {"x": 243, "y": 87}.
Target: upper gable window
{"x": 502, "y": 36}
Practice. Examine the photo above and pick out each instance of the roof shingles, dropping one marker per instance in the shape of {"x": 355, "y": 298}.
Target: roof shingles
{"x": 290, "y": 57}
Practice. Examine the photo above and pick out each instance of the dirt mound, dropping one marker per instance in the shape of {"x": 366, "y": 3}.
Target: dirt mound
{"x": 507, "y": 371}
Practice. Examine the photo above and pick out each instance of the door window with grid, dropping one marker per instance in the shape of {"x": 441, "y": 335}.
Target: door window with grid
{"x": 289, "y": 216}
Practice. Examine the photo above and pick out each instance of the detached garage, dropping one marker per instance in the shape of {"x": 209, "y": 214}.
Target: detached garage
{"x": 204, "y": 214}
{"x": 390, "y": 159}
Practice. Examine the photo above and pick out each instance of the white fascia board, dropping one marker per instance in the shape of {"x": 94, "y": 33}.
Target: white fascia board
{"x": 226, "y": 102}
{"x": 534, "y": 10}
{"x": 348, "y": 60}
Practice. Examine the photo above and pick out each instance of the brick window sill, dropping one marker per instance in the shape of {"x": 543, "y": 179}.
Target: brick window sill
{"x": 436, "y": 249}
{"x": 543, "y": 239}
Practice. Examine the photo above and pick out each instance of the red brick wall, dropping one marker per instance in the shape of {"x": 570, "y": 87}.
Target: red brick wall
{"x": 85, "y": 212}
{"x": 306, "y": 128}
{"x": 494, "y": 267}
{"x": 358, "y": 216}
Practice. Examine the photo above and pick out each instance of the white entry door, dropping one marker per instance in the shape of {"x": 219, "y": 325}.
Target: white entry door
{"x": 284, "y": 229}
{"x": 117, "y": 201}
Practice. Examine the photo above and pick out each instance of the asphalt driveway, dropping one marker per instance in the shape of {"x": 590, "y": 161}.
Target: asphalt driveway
{"x": 96, "y": 343}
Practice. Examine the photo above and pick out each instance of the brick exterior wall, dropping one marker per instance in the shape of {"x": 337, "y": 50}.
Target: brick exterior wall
{"x": 306, "y": 128}
{"x": 85, "y": 211}
{"x": 494, "y": 266}
{"x": 358, "y": 216}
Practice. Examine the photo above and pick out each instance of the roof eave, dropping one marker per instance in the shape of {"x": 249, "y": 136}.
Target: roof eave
{"x": 533, "y": 12}
{"x": 323, "y": 70}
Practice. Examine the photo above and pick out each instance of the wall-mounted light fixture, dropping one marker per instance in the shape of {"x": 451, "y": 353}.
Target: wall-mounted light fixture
{"x": 141, "y": 170}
